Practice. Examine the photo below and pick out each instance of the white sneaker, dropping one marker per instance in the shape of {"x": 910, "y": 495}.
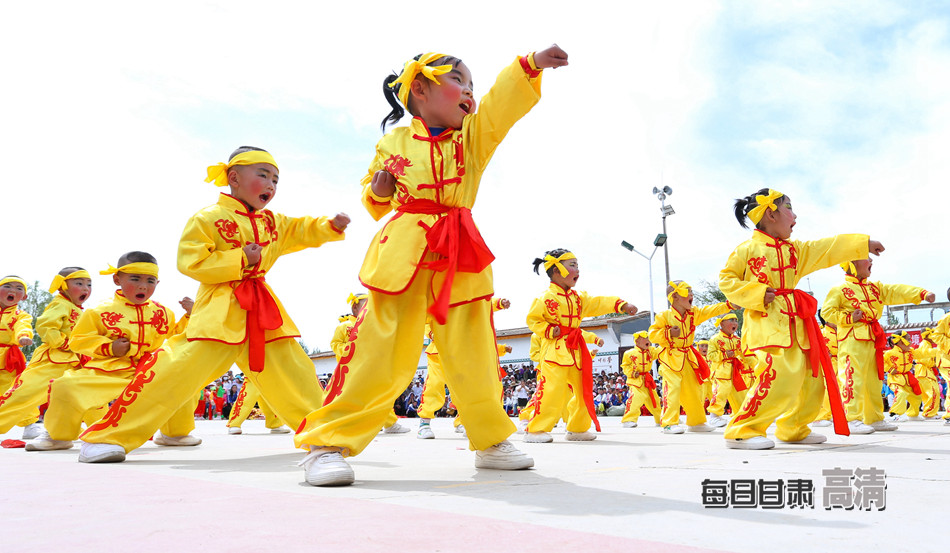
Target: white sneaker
{"x": 716, "y": 421}
{"x": 101, "y": 453}
{"x": 701, "y": 428}
{"x": 821, "y": 424}
{"x": 883, "y": 426}
{"x": 43, "y": 442}
{"x": 902, "y": 418}
{"x": 502, "y": 456}
{"x": 234, "y": 430}
{"x": 629, "y": 424}
{"x": 425, "y": 433}
{"x": 915, "y": 418}
{"x": 756, "y": 442}
{"x": 858, "y": 427}
{"x": 460, "y": 429}
{"x": 186, "y": 440}
{"x": 523, "y": 425}
{"x": 32, "y": 431}
{"x": 325, "y": 466}
{"x": 675, "y": 429}
{"x": 580, "y": 436}
{"x": 396, "y": 428}
{"x": 811, "y": 439}
{"x": 282, "y": 429}
{"x": 538, "y": 437}
{"x": 946, "y": 421}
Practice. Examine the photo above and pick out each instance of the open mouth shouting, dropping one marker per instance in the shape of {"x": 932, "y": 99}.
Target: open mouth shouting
{"x": 467, "y": 106}
{"x": 11, "y": 299}
{"x": 265, "y": 197}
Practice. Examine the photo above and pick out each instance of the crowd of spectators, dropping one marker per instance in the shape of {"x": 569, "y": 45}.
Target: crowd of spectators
{"x": 217, "y": 398}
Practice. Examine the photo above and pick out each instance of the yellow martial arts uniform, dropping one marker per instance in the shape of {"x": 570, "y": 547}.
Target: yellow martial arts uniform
{"x": 682, "y": 386}
{"x": 340, "y": 345}
{"x": 14, "y": 325}
{"x": 637, "y": 364}
{"x": 247, "y": 397}
{"x": 19, "y": 405}
{"x": 859, "y": 376}
{"x": 930, "y": 361}
{"x": 561, "y": 366}
{"x": 220, "y": 332}
{"x": 103, "y": 376}
{"x": 785, "y": 388}
{"x": 437, "y": 183}
{"x": 899, "y": 366}
{"x": 831, "y": 340}
{"x": 722, "y": 368}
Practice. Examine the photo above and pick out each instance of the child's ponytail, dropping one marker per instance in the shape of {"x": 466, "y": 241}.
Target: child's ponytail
{"x": 391, "y": 94}
{"x": 538, "y": 262}
{"x": 743, "y": 206}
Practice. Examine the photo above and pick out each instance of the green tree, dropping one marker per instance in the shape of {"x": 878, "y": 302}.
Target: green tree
{"x": 34, "y": 304}
{"x": 708, "y": 293}
{"x": 307, "y": 350}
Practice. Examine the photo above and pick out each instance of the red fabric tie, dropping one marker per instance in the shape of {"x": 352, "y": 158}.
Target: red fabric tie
{"x": 651, "y": 385}
{"x": 15, "y": 360}
{"x": 913, "y": 383}
{"x": 806, "y": 307}
{"x": 457, "y": 240}
{"x": 737, "y": 381}
{"x": 702, "y": 368}
{"x": 262, "y": 314}
{"x": 880, "y": 345}
{"x": 574, "y": 339}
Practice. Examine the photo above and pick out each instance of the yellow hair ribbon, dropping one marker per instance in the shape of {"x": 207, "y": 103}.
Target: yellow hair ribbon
{"x": 14, "y": 279}
{"x": 59, "y": 281}
{"x": 900, "y": 337}
{"x": 219, "y": 173}
{"x": 345, "y": 318}
{"x": 356, "y": 298}
{"x": 849, "y": 268}
{"x": 764, "y": 203}
{"x": 137, "y": 268}
{"x": 641, "y": 334}
{"x": 681, "y": 289}
{"x": 551, "y": 261}
{"x": 413, "y": 68}
{"x": 924, "y": 334}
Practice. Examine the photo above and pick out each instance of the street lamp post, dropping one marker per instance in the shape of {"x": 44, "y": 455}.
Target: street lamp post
{"x": 657, "y": 242}
{"x": 665, "y": 210}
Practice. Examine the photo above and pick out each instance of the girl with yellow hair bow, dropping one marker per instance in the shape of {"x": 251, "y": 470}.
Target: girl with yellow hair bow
{"x": 428, "y": 261}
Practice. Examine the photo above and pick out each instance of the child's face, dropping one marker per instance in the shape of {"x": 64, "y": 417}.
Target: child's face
{"x": 862, "y": 268}
{"x": 703, "y": 348}
{"x": 683, "y": 303}
{"x": 782, "y": 220}
{"x": 135, "y": 287}
{"x": 643, "y": 343}
{"x": 11, "y": 293}
{"x": 729, "y": 327}
{"x": 573, "y": 273}
{"x": 446, "y": 104}
{"x": 255, "y": 185}
{"x": 78, "y": 290}
{"x": 358, "y": 307}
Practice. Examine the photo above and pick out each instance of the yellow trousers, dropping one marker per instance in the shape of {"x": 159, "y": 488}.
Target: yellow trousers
{"x": 7, "y": 378}
{"x": 905, "y": 396}
{"x": 681, "y": 389}
{"x": 931, "y": 397}
{"x": 784, "y": 391}
{"x": 726, "y": 392}
{"x": 709, "y": 391}
{"x": 824, "y": 414}
{"x": 557, "y": 385}
{"x": 247, "y": 397}
{"x": 386, "y": 357}
{"x": 433, "y": 394}
{"x": 638, "y": 398}
{"x": 80, "y": 391}
{"x": 182, "y": 367}
{"x": 19, "y": 406}
{"x": 857, "y": 379}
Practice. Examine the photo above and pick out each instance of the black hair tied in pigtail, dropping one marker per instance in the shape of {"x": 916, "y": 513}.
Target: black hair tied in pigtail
{"x": 390, "y": 93}
{"x": 743, "y": 206}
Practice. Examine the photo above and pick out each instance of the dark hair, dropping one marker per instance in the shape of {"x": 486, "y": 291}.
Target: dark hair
{"x": 538, "y": 261}
{"x": 243, "y": 149}
{"x": 68, "y": 270}
{"x": 136, "y": 257}
{"x": 392, "y": 93}
{"x": 743, "y": 206}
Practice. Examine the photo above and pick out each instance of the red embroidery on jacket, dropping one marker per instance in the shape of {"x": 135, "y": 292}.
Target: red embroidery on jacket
{"x": 270, "y": 227}
{"x": 110, "y": 320}
{"x": 159, "y": 321}
{"x": 756, "y": 264}
{"x": 552, "y": 306}
{"x": 228, "y": 229}
{"x": 396, "y": 165}
{"x": 459, "y": 155}
{"x": 751, "y": 405}
{"x": 850, "y": 296}
{"x": 73, "y": 317}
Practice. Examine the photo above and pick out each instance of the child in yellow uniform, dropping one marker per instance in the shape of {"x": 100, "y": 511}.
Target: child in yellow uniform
{"x": 19, "y": 405}
{"x": 682, "y": 367}
{"x": 855, "y": 306}
{"x": 779, "y": 326}
{"x": 931, "y": 361}
{"x": 637, "y": 365}
{"x": 118, "y": 338}
{"x": 16, "y": 330}
{"x": 709, "y": 394}
{"x": 228, "y": 248}
{"x": 899, "y": 365}
{"x": 247, "y": 398}
{"x": 566, "y": 365}
{"x": 830, "y": 332}
{"x": 428, "y": 261}
{"x": 730, "y": 367}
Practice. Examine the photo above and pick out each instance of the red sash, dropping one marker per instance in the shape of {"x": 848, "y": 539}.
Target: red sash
{"x": 457, "y": 240}
{"x": 806, "y": 307}
{"x": 574, "y": 339}
{"x": 913, "y": 383}
{"x": 737, "y": 381}
{"x": 702, "y": 370}
{"x": 880, "y": 345}
{"x": 650, "y": 385}
{"x": 262, "y": 314}
{"x": 15, "y": 360}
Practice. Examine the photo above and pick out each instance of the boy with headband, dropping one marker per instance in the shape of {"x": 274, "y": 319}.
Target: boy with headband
{"x": 731, "y": 369}
{"x": 16, "y": 330}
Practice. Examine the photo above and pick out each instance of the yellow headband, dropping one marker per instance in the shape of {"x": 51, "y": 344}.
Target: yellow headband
{"x": 59, "y": 281}
{"x": 849, "y": 268}
{"x": 551, "y": 261}
{"x": 926, "y": 333}
{"x": 413, "y": 68}
{"x": 727, "y": 317}
{"x": 765, "y": 203}
{"x": 356, "y": 298}
{"x": 219, "y": 173}
{"x": 138, "y": 268}
{"x": 702, "y": 343}
{"x": 682, "y": 289}
{"x": 641, "y": 334}
{"x": 900, "y": 337}
{"x": 14, "y": 279}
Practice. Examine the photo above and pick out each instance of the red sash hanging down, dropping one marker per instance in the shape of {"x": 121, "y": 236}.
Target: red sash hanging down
{"x": 650, "y": 385}
{"x": 880, "y": 345}
{"x": 262, "y": 314}
{"x": 15, "y": 360}
{"x": 574, "y": 340}
{"x": 819, "y": 357}
{"x": 457, "y": 240}
{"x": 737, "y": 381}
{"x": 913, "y": 383}
{"x": 702, "y": 367}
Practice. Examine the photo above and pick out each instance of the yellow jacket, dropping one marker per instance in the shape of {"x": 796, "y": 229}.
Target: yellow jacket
{"x": 719, "y": 365}
{"x": 899, "y": 364}
{"x": 638, "y": 362}
{"x": 147, "y": 326}
{"x": 559, "y": 307}
{"x": 870, "y": 297}
{"x": 941, "y": 334}
{"x": 15, "y": 324}
{"x": 931, "y": 360}
{"x": 54, "y": 327}
{"x": 762, "y": 262}
{"x": 831, "y": 339}
{"x": 341, "y": 337}
{"x": 676, "y": 352}
{"x": 534, "y": 350}
{"x": 445, "y": 169}
{"x": 210, "y": 251}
